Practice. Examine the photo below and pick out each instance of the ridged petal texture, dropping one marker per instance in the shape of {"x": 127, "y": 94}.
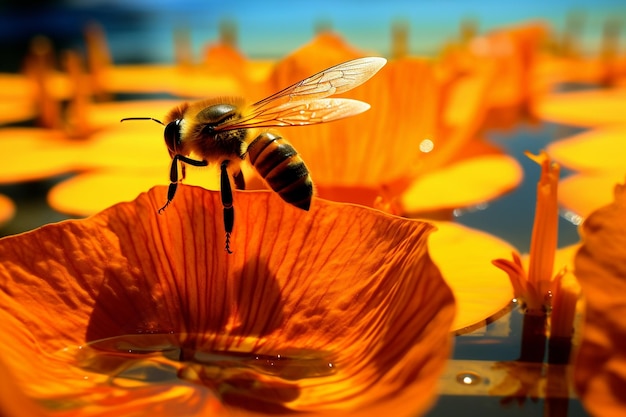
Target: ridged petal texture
{"x": 92, "y": 309}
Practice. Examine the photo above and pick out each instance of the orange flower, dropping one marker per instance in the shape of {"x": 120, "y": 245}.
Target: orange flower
{"x": 599, "y": 373}
{"x": 339, "y": 310}
{"x": 533, "y": 287}
{"x": 397, "y": 154}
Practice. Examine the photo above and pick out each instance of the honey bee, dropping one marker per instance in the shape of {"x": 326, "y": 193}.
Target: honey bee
{"x": 220, "y": 131}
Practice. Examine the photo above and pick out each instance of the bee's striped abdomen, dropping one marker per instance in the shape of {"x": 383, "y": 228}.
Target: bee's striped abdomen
{"x": 282, "y": 168}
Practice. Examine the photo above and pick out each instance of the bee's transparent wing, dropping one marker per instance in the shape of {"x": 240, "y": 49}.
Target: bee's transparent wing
{"x": 308, "y": 112}
{"x": 304, "y": 102}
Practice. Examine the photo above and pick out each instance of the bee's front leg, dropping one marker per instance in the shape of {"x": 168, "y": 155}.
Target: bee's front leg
{"x": 174, "y": 178}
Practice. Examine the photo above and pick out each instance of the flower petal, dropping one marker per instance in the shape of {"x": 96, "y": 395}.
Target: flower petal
{"x": 89, "y": 193}
{"x": 378, "y": 147}
{"x": 600, "y": 367}
{"x": 584, "y": 193}
{"x": 573, "y": 108}
{"x": 340, "y": 279}
{"x": 599, "y": 149}
{"x": 15, "y": 109}
{"x": 32, "y": 153}
{"x": 465, "y": 183}
{"x": 481, "y": 290}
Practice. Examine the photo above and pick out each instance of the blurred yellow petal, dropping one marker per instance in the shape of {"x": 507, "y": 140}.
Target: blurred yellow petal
{"x": 584, "y": 108}
{"x": 166, "y": 78}
{"x": 584, "y": 193}
{"x": 16, "y": 87}
{"x": 464, "y": 257}
{"x": 91, "y": 192}
{"x": 15, "y": 110}
{"x": 32, "y": 153}
{"x": 463, "y": 184}
{"x": 599, "y": 149}
{"x": 558, "y": 69}
{"x": 600, "y": 367}
{"x": 347, "y": 296}
{"x": 598, "y": 154}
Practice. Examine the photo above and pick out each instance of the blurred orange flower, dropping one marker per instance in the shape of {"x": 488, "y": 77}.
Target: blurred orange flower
{"x": 336, "y": 311}
{"x": 599, "y": 375}
{"x": 397, "y": 156}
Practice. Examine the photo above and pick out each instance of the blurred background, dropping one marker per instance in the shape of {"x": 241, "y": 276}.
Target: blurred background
{"x": 79, "y": 37}
{"x": 142, "y": 31}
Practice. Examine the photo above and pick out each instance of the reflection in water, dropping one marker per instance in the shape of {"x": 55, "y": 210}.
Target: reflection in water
{"x": 142, "y": 360}
{"x": 530, "y": 377}
{"x": 536, "y": 382}
{"x": 468, "y": 378}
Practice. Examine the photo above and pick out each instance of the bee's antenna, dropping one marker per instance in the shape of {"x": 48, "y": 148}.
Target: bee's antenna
{"x": 142, "y": 118}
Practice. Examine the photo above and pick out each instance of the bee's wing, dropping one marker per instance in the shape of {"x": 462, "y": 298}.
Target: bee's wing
{"x": 293, "y": 102}
{"x": 305, "y": 113}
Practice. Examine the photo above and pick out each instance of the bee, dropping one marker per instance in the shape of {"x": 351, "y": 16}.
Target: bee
{"x": 220, "y": 131}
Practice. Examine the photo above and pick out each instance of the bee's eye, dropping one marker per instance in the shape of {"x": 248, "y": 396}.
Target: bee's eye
{"x": 172, "y": 136}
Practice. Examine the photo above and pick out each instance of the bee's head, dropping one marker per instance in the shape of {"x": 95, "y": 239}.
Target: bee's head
{"x": 173, "y": 139}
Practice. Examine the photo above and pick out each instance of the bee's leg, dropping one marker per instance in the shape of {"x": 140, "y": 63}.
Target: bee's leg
{"x": 227, "y": 202}
{"x": 171, "y": 190}
{"x": 240, "y": 182}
